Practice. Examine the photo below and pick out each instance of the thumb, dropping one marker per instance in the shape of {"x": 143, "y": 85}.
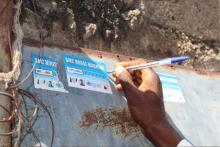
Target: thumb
{"x": 124, "y": 77}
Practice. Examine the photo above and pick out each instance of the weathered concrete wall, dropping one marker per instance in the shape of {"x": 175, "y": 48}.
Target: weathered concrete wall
{"x": 173, "y": 28}
{"x": 169, "y": 28}
{"x": 199, "y": 18}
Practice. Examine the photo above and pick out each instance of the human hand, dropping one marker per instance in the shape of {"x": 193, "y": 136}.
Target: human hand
{"x": 143, "y": 91}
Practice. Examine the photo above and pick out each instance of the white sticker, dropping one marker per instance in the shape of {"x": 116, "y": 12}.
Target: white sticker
{"x": 45, "y": 74}
{"x": 86, "y": 74}
{"x": 171, "y": 89}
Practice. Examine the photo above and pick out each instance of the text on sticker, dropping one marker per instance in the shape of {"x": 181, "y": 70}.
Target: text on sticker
{"x": 45, "y": 62}
{"x": 84, "y": 63}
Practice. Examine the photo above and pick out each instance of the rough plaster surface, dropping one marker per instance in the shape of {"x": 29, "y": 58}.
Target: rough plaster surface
{"x": 165, "y": 28}
{"x": 194, "y": 17}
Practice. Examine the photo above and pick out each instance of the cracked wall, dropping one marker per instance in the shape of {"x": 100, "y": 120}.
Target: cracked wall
{"x": 147, "y": 29}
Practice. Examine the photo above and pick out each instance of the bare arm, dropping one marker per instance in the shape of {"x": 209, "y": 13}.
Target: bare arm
{"x": 145, "y": 101}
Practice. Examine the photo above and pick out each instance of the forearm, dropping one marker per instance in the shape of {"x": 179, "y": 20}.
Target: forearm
{"x": 163, "y": 135}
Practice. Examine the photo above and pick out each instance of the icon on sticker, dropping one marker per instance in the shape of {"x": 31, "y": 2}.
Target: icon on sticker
{"x": 50, "y": 84}
{"x": 105, "y": 87}
{"x": 38, "y": 81}
{"x": 82, "y": 83}
{"x": 73, "y": 80}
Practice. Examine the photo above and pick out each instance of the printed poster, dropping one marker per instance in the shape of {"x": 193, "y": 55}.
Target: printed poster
{"x": 171, "y": 90}
{"x": 45, "y": 74}
{"x": 86, "y": 74}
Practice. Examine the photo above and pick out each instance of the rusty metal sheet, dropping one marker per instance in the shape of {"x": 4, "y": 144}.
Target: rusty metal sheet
{"x": 88, "y": 118}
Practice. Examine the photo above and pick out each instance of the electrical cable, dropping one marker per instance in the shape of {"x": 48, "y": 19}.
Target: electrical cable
{"x": 26, "y": 121}
{"x": 11, "y": 115}
{"x": 30, "y": 120}
{"x": 27, "y": 76}
{"x": 34, "y": 113}
{"x": 14, "y": 110}
{"x": 38, "y": 101}
{"x": 41, "y": 45}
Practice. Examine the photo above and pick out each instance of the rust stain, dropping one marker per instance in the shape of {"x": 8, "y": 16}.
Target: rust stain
{"x": 119, "y": 120}
{"x": 35, "y": 43}
{"x": 117, "y": 57}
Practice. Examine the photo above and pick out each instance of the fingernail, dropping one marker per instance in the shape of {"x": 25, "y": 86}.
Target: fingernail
{"x": 119, "y": 69}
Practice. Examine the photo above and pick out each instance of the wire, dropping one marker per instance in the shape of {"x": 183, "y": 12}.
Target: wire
{"x": 8, "y": 95}
{"x": 11, "y": 115}
{"x": 30, "y": 120}
{"x": 17, "y": 114}
{"x": 27, "y": 76}
{"x": 38, "y": 101}
{"x": 27, "y": 111}
{"x": 9, "y": 133}
{"x": 12, "y": 98}
{"x": 27, "y": 120}
{"x": 39, "y": 26}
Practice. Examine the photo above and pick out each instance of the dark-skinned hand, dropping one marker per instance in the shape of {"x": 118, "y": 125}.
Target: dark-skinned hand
{"x": 144, "y": 94}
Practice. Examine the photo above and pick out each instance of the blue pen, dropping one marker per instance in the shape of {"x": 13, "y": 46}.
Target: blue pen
{"x": 165, "y": 61}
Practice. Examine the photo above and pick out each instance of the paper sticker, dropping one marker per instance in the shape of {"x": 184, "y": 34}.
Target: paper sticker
{"x": 86, "y": 74}
{"x": 45, "y": 74}
{"x": 171, "y": 89}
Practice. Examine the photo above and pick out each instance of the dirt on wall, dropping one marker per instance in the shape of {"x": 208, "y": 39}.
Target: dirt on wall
{"x": 118, "y": 119}
{"x": 142, "y": 28}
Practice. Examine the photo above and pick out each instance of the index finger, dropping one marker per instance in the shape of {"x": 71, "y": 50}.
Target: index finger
{"x": 129, "y": 63}
{"x": 148, "y": 75}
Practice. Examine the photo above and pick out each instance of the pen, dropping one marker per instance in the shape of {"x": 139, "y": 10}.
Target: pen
{"x": 165, "y": 61}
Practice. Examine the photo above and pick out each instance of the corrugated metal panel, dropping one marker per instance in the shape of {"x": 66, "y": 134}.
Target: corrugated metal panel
{"x": 87, "y": 118}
